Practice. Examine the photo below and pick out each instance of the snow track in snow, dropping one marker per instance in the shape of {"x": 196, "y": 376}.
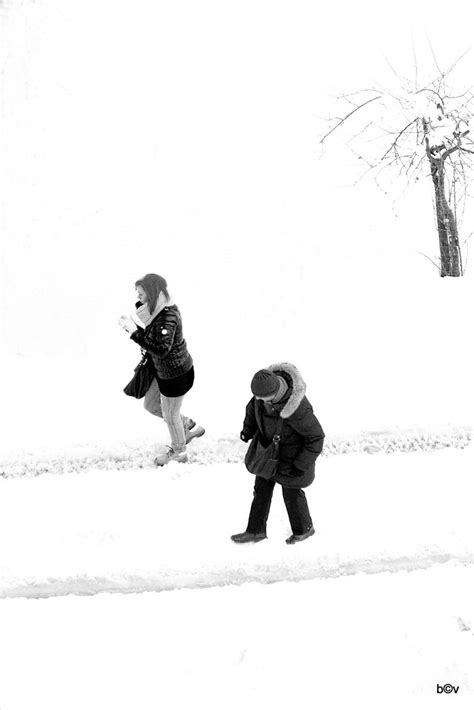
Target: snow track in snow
{"x": 138, "y": 454}
{"x": 89, "y": 585}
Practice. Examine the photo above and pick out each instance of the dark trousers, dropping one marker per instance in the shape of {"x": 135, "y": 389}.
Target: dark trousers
{"x": 295, "y": 502}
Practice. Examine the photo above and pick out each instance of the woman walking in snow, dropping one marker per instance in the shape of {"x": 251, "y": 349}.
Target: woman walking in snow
{"x": 162, "y": 337}
{"x": 279, "y": 404}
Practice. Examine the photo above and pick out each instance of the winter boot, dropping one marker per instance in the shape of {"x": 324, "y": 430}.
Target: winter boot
{"x": 171, "y": 455}
{"x": 193, "y": 430}
{"x": 248, "y": 537}
{"x": 299, "y": 538}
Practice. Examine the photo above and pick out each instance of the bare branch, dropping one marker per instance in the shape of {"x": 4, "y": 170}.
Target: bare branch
{"x": 356, "y": 135}
{"x": 375, "y": 98}
{"x": 434, "y": 58}
{"x": 429, "y": 259}
{"x": 404, "y": 104}
{"x": 398, "y": 136}
{"x": 349, "y": 97}
{"x": 361, "y": 157}
{"x": 461, "y": 96}
{"x": 466, "y": 103}
{"x": 362, "y": 176}
{"x": 450, "y": 151}
{"x": 433, "y": 92}
{"x": 454, "y": 65}
{"x": 419, "y": 164}
{"x": 354, "y": 93}
{"x": 466, "y": 259}
{"x": 416, "y": 62}
{"x": 392, "y": 68}
{"x": 410, "y": 164}
{"x": 462, "y": 200}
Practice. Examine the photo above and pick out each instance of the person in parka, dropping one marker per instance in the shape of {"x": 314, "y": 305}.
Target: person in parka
{"x": 279, "y": 391}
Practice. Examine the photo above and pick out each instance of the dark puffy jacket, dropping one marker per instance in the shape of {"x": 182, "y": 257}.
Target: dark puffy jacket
{"x": 163, "y": 339}
{"x": 302, "y": 437}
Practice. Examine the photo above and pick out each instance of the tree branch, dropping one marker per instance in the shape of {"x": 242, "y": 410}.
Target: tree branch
{"x": 410, "y": 164}
{"x": 433, "y": 92}
{"x": 399, "y": 76}
{"x": 375, "y": 98}
{"x": 361, "y": 157}
{"x": 429, "y": 259}
{"x": 398, "y": 136}
{"x": 416, "y": 62}
{"x": 461, "y": 56}
{"x": 449, "y": 151}
{"x": 434, "y": 59}
{"x": 461, "y": 96}
{"x": 363, "y": 130}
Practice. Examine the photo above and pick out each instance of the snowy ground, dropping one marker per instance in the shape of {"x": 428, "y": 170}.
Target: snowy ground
{"x": 376, "y": 609}
{"x": 150, "y": 529}
{"x": 139, "y": 451}
{"x": 377, "y": 641}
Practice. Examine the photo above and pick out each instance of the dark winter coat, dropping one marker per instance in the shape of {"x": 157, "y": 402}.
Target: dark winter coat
{"x": 163, "y": 339}
{"x": 302, "y": 437}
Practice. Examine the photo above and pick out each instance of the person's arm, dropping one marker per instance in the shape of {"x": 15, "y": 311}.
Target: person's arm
{"x": 159, "y": 337}
{"x": 250, "y": 422}
{"x": 310, "y": 430}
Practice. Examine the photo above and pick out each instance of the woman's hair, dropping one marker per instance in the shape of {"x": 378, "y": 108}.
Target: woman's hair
{"x": 153, "y": 285}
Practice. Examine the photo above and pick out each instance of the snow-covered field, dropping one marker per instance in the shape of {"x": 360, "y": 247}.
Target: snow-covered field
{"x": 152, "y": 529}
{"x": 386, "y": 640}
{"x": 376, "y": 609}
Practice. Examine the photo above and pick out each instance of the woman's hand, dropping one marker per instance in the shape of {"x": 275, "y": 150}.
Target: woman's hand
{"x": 127, "y": 324}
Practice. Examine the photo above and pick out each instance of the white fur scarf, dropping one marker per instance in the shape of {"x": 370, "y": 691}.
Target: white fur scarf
{"x": 144, "y": 315}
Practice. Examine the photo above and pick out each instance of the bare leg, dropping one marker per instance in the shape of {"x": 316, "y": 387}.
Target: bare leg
{"x": 152, "y": 404}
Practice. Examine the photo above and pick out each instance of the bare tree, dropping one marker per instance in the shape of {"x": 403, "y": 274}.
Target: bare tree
{"x": 418, "y": 131}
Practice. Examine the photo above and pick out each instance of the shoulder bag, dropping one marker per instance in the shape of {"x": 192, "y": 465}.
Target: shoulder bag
{"x": 142, "y": 379}
{"x": 263, "y": 460}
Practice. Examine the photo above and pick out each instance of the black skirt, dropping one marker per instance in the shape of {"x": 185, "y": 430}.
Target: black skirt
{"x": 177, "y": 386}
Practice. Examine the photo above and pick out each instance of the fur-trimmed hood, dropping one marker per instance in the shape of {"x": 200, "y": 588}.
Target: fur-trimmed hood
{"x": 298, "y": 385}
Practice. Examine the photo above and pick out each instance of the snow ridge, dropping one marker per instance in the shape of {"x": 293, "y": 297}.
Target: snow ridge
{"x": 90, "y": 585}
{"x": 140, "y": 453}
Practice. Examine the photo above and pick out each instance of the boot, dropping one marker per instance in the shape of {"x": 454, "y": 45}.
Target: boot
{"x": 248, "y": 537}
{"x": 193, "y": 430}
{"x": 171, "y": 455}
{"x": 299, "y": 538}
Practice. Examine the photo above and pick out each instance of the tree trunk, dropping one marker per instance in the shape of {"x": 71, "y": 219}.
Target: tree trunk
{"x": 450, "y": 252}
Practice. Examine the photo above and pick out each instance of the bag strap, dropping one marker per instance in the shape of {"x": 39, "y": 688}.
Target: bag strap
{"x": 277, "y": 436}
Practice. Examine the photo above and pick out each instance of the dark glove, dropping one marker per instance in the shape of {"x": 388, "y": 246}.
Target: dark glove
{"x": 244, "y": 437}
